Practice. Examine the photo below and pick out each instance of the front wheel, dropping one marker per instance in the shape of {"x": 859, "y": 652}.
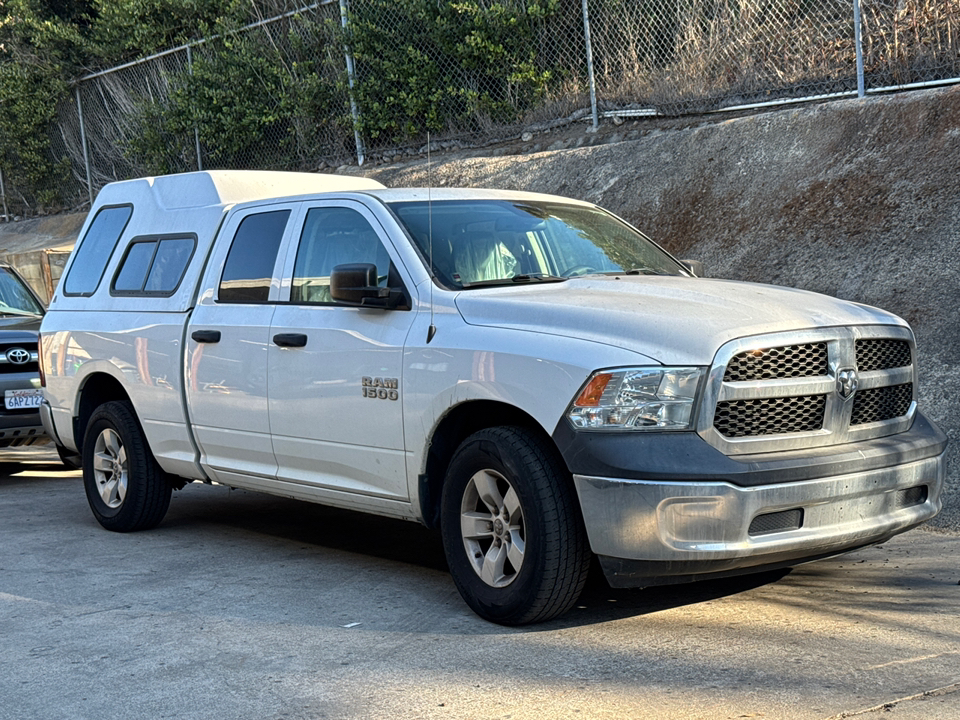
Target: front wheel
{"x": 512, "y": 531}
{"x": 126, "y": 488}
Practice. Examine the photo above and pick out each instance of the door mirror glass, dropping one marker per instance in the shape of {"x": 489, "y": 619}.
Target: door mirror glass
{"x": 356, "y": 284}
{"x": 352, "y": 283}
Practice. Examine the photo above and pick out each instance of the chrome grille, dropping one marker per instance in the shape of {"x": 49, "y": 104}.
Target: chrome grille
{"x": 769, "y": 416}
{"x": 780, "y": 362}
{"x": 882, "y": 403}
{"x": 882, "y": 354}
{"x": 809, "y": 388}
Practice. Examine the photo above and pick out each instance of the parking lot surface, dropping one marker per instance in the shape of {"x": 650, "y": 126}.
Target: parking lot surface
{"x": 245, "y": 606}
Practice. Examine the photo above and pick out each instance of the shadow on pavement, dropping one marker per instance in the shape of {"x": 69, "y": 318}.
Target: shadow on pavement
{"x": 412, "y": 544}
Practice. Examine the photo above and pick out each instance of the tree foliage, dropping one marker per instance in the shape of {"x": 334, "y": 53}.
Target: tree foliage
{"x": 426, "y": 65}
{"x": 421, "y": 65}
{"x": 125, "y": 29}
{"x": 39, "y": 50}
{"x": 248, "y": 104}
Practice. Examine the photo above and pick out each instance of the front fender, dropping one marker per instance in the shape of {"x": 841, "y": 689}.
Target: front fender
{"x": 536, "y": 374}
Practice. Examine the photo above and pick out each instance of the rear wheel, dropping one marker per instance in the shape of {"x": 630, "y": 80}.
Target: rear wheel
{"x": 512, "y": 531}
{"x": 126, "y": 488}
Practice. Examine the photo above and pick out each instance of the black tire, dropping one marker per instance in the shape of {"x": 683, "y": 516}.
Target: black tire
{"x": 70, "y": 459}
{"x": 529, "y": 544}
{"x": 126, "y": 488}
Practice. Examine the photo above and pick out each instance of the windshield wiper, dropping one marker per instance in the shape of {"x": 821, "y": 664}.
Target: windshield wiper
{"x": 14, "y": 311}
{"x": 525, "y": 278}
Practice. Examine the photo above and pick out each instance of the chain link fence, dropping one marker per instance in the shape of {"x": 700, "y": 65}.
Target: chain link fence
{"x": 332, "y": 84}
{"x": 910, "y": 41}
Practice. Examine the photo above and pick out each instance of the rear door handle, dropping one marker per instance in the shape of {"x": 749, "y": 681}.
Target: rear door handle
{"x": 290, "y": 339}
{"x": 206, "y": 336}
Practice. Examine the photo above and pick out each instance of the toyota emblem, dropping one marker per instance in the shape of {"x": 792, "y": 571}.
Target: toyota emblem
{"x": 847, "y": 383}
{"x": 18, "y": 356}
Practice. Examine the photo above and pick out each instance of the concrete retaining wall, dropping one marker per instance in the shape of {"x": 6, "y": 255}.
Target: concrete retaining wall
{"x": 39, "y": 248}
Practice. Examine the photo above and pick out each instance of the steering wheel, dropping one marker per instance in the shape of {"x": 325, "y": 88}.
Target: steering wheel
{"x": 578, "y": 270}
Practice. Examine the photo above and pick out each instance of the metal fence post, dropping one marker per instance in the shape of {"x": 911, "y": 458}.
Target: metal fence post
{"x": 3, "y": 196}
{"x": 589, "y": 50}
{"x": 858, "y": 40}
{"x": 350, "y": 78}
{"x": 83, "y": 144}
{"x": 196, "y": 131}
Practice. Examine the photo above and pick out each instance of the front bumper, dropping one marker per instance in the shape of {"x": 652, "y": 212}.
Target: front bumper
{"x": 23, "y": 426}
{"x": 20, "y": 427}
{"x": 25, "y": 429}
{"x": 653, "y": 531}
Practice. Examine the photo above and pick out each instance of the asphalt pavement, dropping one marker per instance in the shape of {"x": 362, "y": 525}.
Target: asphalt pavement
{"x": 244, "y": 606}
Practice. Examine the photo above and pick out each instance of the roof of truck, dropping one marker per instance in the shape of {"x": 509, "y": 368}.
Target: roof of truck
{"x": 209, "y": 188}
{"x": 411, "y": 194}
{"x": 217, "y": 189}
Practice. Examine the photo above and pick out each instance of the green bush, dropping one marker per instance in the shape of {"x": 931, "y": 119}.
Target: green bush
{"x": 28, "y": 97}
{"x": 37, "y": 55}
{"x": 250, "y": 108}
{"x": 126, "y": 29}
{"x": 446, "y": 66}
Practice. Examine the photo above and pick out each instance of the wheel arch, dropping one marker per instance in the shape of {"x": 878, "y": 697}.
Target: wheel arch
{"x": 453, "y": 428}
{"x": 97, "y": 388}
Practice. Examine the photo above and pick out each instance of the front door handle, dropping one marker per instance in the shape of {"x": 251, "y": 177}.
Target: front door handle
{"x": 206, "y": 336}
{"x": 290, "y": 339}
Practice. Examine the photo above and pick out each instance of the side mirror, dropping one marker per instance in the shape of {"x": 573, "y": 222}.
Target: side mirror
{"x": 694, "y": 266}
{"x": 356, "y": 284}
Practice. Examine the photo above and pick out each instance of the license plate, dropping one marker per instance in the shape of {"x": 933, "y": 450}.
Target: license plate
{"x": 20, "y": 399}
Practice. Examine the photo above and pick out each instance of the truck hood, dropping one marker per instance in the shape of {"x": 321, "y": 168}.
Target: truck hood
{"x": 673, "y": 320}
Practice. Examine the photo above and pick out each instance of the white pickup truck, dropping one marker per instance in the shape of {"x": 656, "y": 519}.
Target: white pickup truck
{"x": 527, "y": 373}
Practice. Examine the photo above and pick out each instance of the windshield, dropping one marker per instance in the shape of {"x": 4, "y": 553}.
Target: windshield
{"x": 15, "y": 299}
{"x": 497, "y": 242}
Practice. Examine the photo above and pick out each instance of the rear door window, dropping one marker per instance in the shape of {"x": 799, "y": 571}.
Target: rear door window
{"x": 248, "y": 270}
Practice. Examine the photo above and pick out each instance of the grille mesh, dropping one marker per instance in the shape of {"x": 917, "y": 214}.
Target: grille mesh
{"x": 770, "y": 416}
{"x": 882, "y": 403}
{"x": 776, "y": 522}
{"x": 911, "y": 496}
{"x": 882, "y": 354}
{"x": 790, "y": 361}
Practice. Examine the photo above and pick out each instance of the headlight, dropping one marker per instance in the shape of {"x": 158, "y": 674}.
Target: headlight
{"x": 643, "y": 398}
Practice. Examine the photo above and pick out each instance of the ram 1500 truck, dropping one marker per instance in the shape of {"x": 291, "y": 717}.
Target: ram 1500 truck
{"x": 529, "y": 374}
